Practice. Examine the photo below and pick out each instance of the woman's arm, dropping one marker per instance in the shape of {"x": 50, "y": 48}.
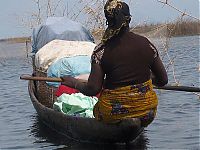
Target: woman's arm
{"x": 159, "y": 74}
{"x": 91, "y": 87}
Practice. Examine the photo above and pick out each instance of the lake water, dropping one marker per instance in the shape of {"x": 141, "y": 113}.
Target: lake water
{"x": 175, "y": 127}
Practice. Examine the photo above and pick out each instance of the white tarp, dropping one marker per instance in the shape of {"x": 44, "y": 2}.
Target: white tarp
{"x": 60, "y": 28}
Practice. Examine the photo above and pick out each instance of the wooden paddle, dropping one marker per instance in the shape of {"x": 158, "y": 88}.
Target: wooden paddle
{"x": 29, "y": 77}
{"x": 179, "y": 88}
{"x": 167, "y": 87}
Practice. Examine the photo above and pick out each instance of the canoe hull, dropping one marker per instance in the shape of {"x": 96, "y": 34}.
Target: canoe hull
{"x": 85, "y": 129}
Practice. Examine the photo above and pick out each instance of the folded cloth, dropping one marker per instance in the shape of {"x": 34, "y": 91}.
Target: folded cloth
{"x": 67, "y": 90}
{"x": 134, "y": 101}
{"x": 76, "y": 105}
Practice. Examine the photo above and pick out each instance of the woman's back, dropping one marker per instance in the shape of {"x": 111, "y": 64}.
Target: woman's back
{"x": 126, "y": 60}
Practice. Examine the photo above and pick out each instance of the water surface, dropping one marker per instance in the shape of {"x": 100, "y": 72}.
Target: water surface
{"x": 175, "y": 127}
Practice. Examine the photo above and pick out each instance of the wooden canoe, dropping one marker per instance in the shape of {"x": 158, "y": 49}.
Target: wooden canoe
{"x": 84, "y": 129}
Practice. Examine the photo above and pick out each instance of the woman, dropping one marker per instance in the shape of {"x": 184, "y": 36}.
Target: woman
{"x": 125, "y": 65}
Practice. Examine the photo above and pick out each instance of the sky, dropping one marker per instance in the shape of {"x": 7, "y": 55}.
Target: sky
{"x": 15, "y": 13}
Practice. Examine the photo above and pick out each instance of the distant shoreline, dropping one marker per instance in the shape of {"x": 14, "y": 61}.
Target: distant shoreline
{"x": 17, "y": 40}
{"x": 174, "y": 29}
{"x": 28, "y": 39}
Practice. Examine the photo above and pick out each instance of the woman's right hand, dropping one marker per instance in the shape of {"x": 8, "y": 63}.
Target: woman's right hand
{"x": 68, "y": 81}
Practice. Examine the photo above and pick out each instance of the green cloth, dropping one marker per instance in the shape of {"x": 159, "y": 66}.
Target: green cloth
{"x": 76, "y": 105}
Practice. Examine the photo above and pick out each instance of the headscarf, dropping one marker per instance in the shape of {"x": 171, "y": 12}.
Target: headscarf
{"x": 117, "y": 15}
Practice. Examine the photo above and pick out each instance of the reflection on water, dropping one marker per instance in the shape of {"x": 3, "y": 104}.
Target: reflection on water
{"x": 176, "y": 125}
{"x": 46, "y": 137}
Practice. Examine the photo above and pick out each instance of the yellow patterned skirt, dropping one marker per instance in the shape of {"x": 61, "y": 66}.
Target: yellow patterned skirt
{"x": 133, "y": 101}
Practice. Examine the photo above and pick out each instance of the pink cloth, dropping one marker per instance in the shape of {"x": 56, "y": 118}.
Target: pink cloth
{"x": 65, "y": 89}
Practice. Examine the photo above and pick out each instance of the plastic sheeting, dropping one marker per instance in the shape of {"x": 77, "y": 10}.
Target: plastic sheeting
{"x": 71, "y": 66}
{"x": 59, "y": 28}
{"x": 58, "y": 49}
{"x": 76, "y": 105}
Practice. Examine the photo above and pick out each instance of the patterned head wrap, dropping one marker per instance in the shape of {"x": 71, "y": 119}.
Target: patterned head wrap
{"x": 117, "y": 15}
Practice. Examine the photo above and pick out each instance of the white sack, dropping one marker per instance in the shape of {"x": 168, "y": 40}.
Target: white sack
{"x": 57, "y": 49}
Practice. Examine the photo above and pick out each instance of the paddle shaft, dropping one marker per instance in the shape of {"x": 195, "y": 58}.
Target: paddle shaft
{"x": 28, "y": 77}
{"x": 179, "y": 88}
{"x": 167, "y": 87}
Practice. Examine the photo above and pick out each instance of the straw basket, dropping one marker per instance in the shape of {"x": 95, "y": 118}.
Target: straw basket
{"x": 44, "y": 92}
